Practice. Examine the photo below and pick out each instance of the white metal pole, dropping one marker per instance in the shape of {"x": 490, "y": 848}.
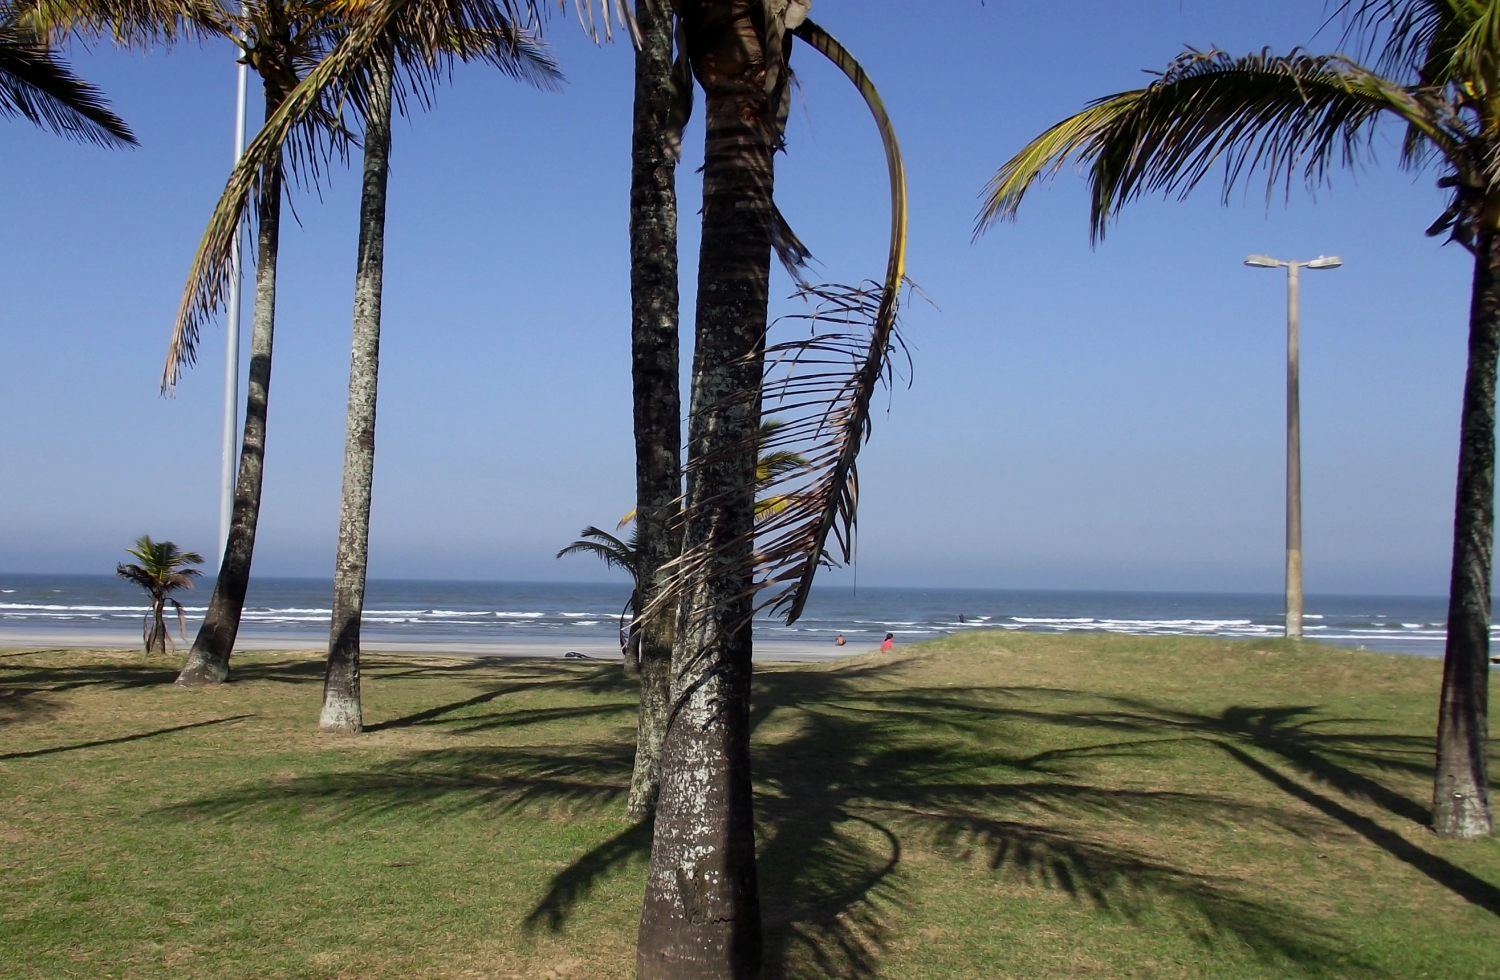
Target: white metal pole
{"x": 1293, "y": 460}
{"x": 227, "y": 463}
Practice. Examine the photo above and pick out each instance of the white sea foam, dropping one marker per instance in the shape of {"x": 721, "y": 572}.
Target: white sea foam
{"x": 1048, "y": 620}
{"x": 58, "y": 608}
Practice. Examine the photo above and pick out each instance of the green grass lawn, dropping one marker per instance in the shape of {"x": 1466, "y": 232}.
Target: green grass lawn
{"x": 991, "y": 805}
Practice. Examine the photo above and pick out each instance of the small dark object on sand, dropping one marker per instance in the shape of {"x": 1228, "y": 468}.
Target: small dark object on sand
{"x": 575, "y": 655}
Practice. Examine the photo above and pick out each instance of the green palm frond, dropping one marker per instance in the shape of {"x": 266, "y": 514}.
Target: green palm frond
{"x": 1282, "y": 115}
{"x": 36, "y": 85}
{"x": 127, "y": 23}
{"x": 821, "y": 389}
{"x": 615, "y": 553}
{"x": 428, "y": 36}
{"x": 163, "y": 567}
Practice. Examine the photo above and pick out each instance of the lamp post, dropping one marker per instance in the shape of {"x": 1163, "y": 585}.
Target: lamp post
{"x": 1293, "y": 433}
{"x": 227, "y": 467}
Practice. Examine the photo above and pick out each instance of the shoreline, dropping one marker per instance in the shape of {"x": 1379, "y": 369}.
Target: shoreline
{"x": 552, "y": 648}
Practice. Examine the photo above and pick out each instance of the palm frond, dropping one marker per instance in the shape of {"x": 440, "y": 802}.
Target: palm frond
{"x": 821, "y": 388}
{"x": 36, "y": 85}
{"x": 138, "y": 575}
{"x": 1410, "y": 36}
{"x": 128, "y": 23}
{"x": 1282, "y": 115}
{"x": 606, "y": 547}
{"x": 835, "y": 411}
{"x": 163, "y": 567}
{"x": 428, "y": 35}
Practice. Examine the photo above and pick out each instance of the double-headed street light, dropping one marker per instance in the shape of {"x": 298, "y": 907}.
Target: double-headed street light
{"x": 1293, "y": 434}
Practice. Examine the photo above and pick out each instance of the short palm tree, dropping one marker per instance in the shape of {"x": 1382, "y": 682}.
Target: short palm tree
{"x": 1438, "y": 77}
{"x": 36, "y": 85}
{"x": 627, "y": 555}
{"x": 162, "y": 570}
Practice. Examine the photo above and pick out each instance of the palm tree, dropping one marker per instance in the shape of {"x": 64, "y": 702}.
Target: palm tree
{"x": 426, "y": 33}
{"x": 627, "y": 556}
{"x": 701, "y": 915}
{"x": 663, "y": 94}
{"x": 1303, "y": 114}
{"x": 36, "y": 85}
{"x": 162, "y": 570}
{"x": 382, "y": 43}
{"x": 281, "y": 40}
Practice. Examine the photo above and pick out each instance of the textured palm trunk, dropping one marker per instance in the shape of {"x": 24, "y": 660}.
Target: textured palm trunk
{"x": 1460, "y": 793}
{"x": 701, "y": 914}
{"x": 341, "y": 707}
{"x": 654, "y": 372}
{"x": 208, "y": 662}
{"x": 156, "y": 638}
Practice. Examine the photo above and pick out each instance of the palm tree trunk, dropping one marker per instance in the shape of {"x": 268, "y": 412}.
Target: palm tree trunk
{"x": 156, "y": 640}
{"x": 208, "y": 662}
{"x": 654, "y": 372}
{"x": 341, "y": 707}
{"x": 701, "y": 914}
{"x": 1460, "y": 794}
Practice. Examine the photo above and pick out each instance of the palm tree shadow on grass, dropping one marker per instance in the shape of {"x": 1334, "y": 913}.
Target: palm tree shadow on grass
{"x": 869, "y": 771}
{"x": 144, "y": 672}
{"x": 19, "y": 705}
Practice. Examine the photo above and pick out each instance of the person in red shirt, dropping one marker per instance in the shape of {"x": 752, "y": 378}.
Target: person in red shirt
{"x": 890, "y": 641}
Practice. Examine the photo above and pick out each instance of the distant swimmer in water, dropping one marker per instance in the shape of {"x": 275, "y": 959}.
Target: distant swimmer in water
{"x": 890, "y": 641}
{"x": 960, "y": 619}
{"x": 839, "y": 640}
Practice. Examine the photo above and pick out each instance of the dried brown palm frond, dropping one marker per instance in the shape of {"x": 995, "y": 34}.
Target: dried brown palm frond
{"x": 819, "y": 388}
{"x": 829, "y": 380}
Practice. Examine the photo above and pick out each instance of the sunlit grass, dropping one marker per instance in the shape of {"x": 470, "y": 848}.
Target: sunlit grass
{"x": 990, "y": 805}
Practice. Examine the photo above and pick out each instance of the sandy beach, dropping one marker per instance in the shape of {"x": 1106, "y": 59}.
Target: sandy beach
{"x": 772, "y": 651}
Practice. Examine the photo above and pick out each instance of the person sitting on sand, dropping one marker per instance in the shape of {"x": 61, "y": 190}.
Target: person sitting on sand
{"x": 890, "y": 641}
{"x": 839, "y": 640}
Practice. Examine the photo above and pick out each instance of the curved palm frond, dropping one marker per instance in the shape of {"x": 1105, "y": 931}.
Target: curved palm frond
{"x": 1277, "y": 114}
{"x": 36, "y": 85}
{"x": 128, "y": 23}
{"x": 830, "y": 404}
{"x": 428, "y": 37}
{"x": 606, "y": 547}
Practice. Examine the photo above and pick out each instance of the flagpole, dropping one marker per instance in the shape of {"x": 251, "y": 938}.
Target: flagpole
{"x": 228, "y": 464}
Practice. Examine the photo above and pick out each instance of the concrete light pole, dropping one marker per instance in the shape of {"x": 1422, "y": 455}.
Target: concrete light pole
{"x": 1293, "y": 433}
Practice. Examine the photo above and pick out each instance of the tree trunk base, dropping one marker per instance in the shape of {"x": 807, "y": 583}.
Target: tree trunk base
{"x": 201, "y": 670}
{"x": 1462, "y": 812}
{"x": 341, "y": 716}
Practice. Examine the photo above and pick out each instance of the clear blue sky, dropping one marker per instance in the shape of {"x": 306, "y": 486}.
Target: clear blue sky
{"x": 1079, "y": 417}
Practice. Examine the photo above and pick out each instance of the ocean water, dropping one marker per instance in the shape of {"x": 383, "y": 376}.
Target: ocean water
{"x": 299, "y": 610}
